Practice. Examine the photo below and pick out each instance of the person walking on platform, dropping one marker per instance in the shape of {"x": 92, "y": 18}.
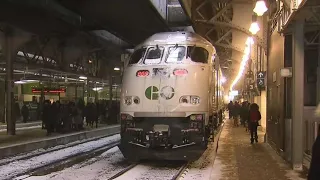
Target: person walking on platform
{"x": 244, "y": 113}
{"x": 254, "y": 118}
{"x": 25, "y": 112}
{"x": 47, "y": 116}
{"x": 230, "y": 109}
{"x": 236, "y": 113}
{"x": 314, "y": 170}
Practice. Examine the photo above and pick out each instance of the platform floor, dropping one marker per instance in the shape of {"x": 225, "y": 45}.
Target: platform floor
{"x": 237, "y": 159}
{"x": 25, "y": 134}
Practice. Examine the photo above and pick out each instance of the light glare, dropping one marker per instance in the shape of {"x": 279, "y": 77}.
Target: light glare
{"x": 260, "y": 8}
{"x": 254, "y": 28}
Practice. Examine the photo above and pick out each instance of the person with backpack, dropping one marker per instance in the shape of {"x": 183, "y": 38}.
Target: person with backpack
{"x": 254, "y": 118}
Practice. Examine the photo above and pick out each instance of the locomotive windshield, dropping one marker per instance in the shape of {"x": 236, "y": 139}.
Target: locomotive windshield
{"x": 137, "y": 56}
{"x": 176, "y": 54}
{"x": 197, "y": 54}
{"x": 154, "y": 55}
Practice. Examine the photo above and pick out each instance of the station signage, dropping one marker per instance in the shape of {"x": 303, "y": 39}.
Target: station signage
{"x": 261, "y": 79}
{"x": 49, "y": 90}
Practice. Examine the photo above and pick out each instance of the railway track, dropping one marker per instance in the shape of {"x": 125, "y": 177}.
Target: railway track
{"x": 134, "y": 167}
{"x": 180, "y": 172}
{"x": 123, "y": 171}
{"x": 50, "y": 161}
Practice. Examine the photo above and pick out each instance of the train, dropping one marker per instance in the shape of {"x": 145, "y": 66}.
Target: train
{"x": 171, "y": 98}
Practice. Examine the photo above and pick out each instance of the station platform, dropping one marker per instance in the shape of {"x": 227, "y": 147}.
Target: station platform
{"x": 29, "y": 139}
{"x": 21, "y": 125}
{"x": 238, "y": 159}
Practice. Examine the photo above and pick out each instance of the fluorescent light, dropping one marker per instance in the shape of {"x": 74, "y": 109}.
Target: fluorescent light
{"x": 97, "y": 88}
{"x": 19, "y": 82}
{"x": 83, "y": 77}
{"x": 25, "y": 81}
{"x": 116, "y": 69}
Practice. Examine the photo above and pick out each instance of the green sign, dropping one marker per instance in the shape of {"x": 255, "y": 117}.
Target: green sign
{"x": 152, "y": 93}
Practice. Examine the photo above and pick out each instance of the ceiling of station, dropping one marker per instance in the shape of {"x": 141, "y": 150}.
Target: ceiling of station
{"x": 225, "y": 23}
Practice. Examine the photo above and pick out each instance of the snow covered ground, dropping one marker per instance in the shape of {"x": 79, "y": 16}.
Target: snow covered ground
{"x": 98, "y": 168}
{"x": 149, "y": 171}
{"x": 12, "y": 169}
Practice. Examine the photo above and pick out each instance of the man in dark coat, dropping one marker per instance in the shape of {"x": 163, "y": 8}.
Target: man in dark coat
{"x": 314, "y": 171}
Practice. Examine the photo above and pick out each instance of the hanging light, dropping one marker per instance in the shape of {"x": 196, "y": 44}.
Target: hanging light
{"x": 254, "y": 28}
{"x": 223, "y": 79}
{"x": 260, "y": 8}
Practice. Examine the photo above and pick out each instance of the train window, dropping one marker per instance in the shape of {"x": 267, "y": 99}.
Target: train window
{"x": 176, "y": 54}
{"x": 154, "y": 55}
{"x": 197, "y": 54}
{"x": 137, "y": 56}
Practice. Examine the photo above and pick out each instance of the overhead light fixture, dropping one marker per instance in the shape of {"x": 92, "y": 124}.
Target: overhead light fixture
{"x": 223, "y": 79}
{"x": 83, "y": 77}
{"x": 19, "y": 82}
{"x": 97, "y": 88}
{"x": 244, "y": 61}
{"x": 249, "y": 41}
{"x": 25, "y": 81}
{"x": 116, "y": 69}
{"x": 254, "y": 28}
{"x": 260, "y": 8}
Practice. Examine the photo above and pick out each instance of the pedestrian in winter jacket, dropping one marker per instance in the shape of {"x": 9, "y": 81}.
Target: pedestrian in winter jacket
{"x": 254, "y": 118}
{"x": 314, "y": 170}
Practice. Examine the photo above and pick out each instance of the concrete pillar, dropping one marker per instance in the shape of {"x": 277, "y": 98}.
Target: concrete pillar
{"x": 298, "y": 88}
{"x": 12, "y": 40}
{"x": 318, "y": 73}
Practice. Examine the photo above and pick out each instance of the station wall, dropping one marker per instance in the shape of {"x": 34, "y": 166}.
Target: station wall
{"x": 275, "y": 92}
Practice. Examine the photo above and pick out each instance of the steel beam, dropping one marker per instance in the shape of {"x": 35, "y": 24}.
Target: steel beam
{"x": 232, "y": 26}
{"x": 223, "y": 36}
{"x": 228, "y": 46}
{"x": 220, "y": 13}
{"x": 298, "y": 95}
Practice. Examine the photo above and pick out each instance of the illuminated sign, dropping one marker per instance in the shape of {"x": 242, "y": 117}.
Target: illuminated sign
{"x": 49, "y": 90}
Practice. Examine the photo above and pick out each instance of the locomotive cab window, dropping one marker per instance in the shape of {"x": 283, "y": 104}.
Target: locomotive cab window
{"x": 176, "y": 54}
{"x": 154, "y": 55}
{"x": 197, "y": 54}
{"x": 137, "y": 55}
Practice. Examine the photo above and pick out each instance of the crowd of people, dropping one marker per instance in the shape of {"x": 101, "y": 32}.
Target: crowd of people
{"x": 249, "y": 116}
{"x": 71, "y": 116}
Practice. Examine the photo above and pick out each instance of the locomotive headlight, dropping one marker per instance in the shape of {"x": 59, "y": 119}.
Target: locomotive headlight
{"x": 136, "y": 100}
{"x": 195, "y": 100}
{"x": 184, "y": 99}
{"x": 128, "y": 100}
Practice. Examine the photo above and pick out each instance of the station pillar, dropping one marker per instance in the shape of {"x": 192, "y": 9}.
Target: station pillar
{"x": 297, "y": 94}
{"x": 12, "y": 39}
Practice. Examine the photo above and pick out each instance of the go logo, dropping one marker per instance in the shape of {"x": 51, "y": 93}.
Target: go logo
{"x": 152, "y": 92}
